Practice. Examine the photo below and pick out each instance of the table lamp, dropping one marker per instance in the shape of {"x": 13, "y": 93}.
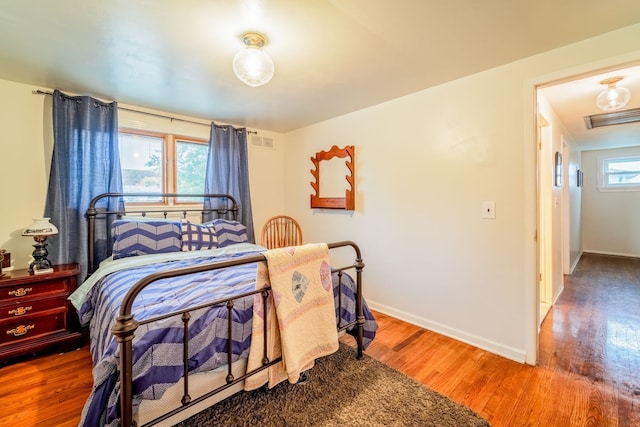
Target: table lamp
{"x": 2, "y": 252}
{"x": 39, "y": 230}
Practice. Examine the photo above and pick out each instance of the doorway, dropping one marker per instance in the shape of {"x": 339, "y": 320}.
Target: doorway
{"x": 554, "y": 222}
{"x": 545, "y": 218}
{"x": 561, "y": 106}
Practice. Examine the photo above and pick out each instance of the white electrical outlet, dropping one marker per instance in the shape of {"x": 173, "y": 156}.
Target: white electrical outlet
{"x": 489, "y": 210}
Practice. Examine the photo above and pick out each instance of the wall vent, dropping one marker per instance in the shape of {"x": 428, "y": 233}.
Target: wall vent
{"x": 615, "y": 118}
{"x": 256, "y": 140}
{"x": 262, "y": 141}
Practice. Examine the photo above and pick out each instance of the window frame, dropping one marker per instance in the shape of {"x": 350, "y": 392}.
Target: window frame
{"x": 174, "y": 168}
{"x": 169, "y": 164}
{"x": 603, "y": 173}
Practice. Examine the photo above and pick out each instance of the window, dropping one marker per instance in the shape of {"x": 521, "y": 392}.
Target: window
{"x": 162, "y": 163}
{"x": 620, "y": 174}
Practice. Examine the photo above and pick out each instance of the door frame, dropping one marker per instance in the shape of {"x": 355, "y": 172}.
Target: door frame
{"x": 530, "y": 171}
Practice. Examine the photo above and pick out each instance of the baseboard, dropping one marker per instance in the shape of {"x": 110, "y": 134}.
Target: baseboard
{"x": 518, "y": 355}
{"x": 575, "y": 263}
{"x": 590, "y": 251}
{"x": 557, "y": 295}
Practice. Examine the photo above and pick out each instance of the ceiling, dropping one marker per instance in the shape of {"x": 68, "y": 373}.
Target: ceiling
{"x": 573, "y": 100}
{"x": 332, "y": 56}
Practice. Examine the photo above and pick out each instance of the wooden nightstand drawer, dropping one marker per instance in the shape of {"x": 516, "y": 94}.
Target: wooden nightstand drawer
{"x": 32, "y": 327}
{"x": 26, "y": 291}
{"x": 35, "y": 313}
{"x": 28, "y": 308}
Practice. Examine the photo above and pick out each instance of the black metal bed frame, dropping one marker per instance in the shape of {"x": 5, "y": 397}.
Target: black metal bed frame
{"x": 94, "y": 213}
{"x": 126, "y": 324}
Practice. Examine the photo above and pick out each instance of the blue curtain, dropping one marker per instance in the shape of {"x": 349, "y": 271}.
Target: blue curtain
{"x": 228, "y": 171}
{"x": 85, "y": 163}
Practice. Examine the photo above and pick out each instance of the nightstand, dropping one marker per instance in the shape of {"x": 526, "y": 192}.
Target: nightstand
{"x": 34, "y": 311}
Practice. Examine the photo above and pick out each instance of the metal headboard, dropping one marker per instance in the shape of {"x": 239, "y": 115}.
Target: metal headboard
{"x": 227, "y": 206}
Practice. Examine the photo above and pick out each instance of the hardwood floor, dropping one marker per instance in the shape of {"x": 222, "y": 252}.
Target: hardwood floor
{"x": 46, "y": 390}
{"x": 588, "y": 374}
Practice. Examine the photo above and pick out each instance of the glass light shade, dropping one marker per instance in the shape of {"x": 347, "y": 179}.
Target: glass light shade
{"x": 40, "y": 227}
{"x": 613, "y": 98}
{"x": 253, "y": 67}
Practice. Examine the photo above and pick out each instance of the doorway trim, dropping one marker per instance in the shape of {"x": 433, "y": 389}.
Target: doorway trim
{"x": 545, "y": 215}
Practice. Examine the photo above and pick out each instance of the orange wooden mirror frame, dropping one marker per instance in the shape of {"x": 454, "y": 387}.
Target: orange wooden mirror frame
{"x": 347, "y": 202}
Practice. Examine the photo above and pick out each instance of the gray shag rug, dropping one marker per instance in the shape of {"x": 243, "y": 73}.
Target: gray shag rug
{"x": 341, "y": 390}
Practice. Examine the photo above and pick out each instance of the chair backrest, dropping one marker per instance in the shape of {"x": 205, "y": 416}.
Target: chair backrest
{"x": 281, "y": 231}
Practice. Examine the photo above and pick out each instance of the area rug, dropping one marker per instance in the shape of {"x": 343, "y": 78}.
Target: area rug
{"x": 341, "y": 391}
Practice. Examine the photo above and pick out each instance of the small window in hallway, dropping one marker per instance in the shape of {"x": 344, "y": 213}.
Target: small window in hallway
{"x": 620, "y": 174}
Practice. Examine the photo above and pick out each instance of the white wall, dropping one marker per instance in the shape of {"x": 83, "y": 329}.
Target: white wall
{"x": 611, "y": 224}
{"x": 575, "y": 215}
{"x": 25, "y": 158}
{"x": 425, "y": 163}
{"x": 565, "y": 203}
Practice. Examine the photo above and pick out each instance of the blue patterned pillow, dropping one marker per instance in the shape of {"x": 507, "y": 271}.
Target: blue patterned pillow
{"x": 196, "y": 237}
{"x": 229, "y": 232}
{"x": 143, "y": 237}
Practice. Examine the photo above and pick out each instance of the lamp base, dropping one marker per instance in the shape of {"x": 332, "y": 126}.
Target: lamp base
{"x": 40, "y": 262}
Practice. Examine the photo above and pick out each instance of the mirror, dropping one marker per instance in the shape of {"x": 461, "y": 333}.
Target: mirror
{"x": 332, "y": 178}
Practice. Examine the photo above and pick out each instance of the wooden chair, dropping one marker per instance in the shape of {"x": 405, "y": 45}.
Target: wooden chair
{"x": 281, "y": 231}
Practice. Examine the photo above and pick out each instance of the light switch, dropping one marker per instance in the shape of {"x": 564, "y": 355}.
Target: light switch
{"x": 489, "y": 210}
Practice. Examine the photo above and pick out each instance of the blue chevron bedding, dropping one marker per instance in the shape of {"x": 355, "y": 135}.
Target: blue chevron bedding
{"x": 157, "y": 354}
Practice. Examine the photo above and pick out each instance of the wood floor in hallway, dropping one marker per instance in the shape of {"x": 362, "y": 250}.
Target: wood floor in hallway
{"x": 589, "y": 357}
{"x": 588, "y": 375}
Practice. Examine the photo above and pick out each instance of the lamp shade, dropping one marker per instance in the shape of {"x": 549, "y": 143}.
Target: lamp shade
{"x": 40, "y": 227}
{"x": 253, "y": 67}
{"x": 614, "y": 97}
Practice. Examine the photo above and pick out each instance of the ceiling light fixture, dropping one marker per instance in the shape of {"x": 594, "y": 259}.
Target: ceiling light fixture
{"x": 251, "y": 65}
{"x": 614, "y": 97}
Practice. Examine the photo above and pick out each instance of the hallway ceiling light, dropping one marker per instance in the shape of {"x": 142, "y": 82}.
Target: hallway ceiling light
{"x": 252, "y": 65}
{"x": 614, "y": 97}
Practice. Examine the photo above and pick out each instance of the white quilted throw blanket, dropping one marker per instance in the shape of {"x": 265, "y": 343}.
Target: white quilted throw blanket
{"x": 301, "y": 313}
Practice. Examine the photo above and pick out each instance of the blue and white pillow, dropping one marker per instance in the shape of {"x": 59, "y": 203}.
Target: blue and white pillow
{"x": 144, "y": 237}
{"x": 229, "y": 232}
{"x": 196, "y": 237}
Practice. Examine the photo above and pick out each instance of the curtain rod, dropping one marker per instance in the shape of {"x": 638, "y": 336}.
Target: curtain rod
{"x": 43, "y": 92}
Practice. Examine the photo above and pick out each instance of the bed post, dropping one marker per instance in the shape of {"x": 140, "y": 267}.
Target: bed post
{"x": 359, "y": 266}
{"x": 359, "y": 310}
{"x": 92, "y": 212}
{"x": 123, "y": 330}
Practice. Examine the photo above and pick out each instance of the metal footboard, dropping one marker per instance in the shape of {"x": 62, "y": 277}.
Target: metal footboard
{"x": 126, "y": 326}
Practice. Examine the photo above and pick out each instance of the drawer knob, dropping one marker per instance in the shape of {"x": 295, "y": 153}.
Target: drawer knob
{"x": 20, "y": 311}
{"x": 20, "y": 330}
{"x": 20, "y": 292}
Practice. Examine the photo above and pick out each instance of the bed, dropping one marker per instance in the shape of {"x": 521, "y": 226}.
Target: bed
{"x": 184, "y": 311}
